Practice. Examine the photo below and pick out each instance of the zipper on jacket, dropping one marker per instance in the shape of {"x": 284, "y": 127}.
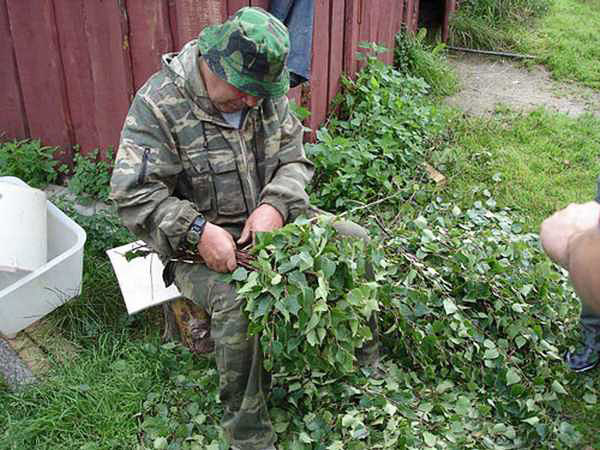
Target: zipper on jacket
{"x": 247, "y": 169}
{"x": 142, "y": 174}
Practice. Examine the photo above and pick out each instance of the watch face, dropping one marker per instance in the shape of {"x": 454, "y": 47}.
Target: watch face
{"x": 193, "y": 237}
{"x": 193, "y": 234}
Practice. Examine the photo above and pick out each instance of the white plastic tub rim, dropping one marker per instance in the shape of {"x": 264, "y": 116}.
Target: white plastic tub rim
{"x": 55, "y": 259}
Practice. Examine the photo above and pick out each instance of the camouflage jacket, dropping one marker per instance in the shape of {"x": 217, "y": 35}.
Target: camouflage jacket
{"x": 178, "y": 157}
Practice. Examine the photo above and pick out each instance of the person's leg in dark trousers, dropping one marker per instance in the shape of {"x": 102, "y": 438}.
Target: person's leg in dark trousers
{"x": 583, "y": 264}
{"x": 368, "y": 355}
{"x": 297, "y": 15}
{"x": 242, "y": 387}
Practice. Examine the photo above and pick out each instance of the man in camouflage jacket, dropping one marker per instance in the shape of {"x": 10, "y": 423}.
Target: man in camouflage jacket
{"x": 210, "y": 154}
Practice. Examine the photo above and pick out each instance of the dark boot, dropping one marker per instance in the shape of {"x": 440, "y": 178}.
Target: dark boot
{"x": 586, "y": 355}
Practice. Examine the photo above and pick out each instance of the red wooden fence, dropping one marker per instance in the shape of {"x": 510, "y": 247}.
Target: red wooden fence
{"x": 70, "y": 67}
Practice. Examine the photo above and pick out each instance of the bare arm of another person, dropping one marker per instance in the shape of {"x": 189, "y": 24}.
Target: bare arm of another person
{"x": 565, "y": 225}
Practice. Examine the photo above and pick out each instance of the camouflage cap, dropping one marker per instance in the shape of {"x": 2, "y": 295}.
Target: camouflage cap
{"x": 249, "y": 51}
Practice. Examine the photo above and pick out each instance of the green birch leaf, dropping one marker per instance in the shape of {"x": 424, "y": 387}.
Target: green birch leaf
{"x": 558, "y": 388}
{"x": 512, "y": 377}
{"x": 239, "y": 274}
{"x": 450, "y": 306}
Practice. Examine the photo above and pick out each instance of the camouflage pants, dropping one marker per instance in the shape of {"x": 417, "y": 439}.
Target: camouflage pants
{"x": 243, "y": 383}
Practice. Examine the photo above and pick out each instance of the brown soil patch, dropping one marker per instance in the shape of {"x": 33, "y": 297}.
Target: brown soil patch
{"x": 487, "y": 82}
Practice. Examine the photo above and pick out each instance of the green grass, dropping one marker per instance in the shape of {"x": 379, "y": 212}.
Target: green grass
{"x": 494, "y": 24}
{"x": 535, "y": 162}
{"x": 3, "y": 385}
{"x": 117, "y": 393}
{"x": 563, "y": 37}
{"x": 91, "y": 399}
{"x": 567, "y": 41}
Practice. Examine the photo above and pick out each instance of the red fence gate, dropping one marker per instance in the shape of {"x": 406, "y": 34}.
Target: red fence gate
{"x": 70, "y": 67}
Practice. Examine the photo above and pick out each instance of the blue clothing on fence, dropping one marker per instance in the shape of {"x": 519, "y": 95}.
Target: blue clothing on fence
{"x": 297, "y": 15}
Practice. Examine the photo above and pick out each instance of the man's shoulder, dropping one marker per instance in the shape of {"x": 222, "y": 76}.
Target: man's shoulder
{"x": 159, "y": 89}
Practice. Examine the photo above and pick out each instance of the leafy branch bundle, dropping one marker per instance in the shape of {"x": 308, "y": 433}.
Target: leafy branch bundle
{"x": 472, "y": 321}
{"x": 311, "y": 296}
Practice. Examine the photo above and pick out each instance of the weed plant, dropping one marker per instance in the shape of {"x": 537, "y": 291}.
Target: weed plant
{"x": 375, "y": 146}
{"x": 414, "y": 57}
{"x": 30, "y": 161}
{"x": 34, "y": 163}
{"x": 91, "y": 177}
{"x": 494, "y": 24}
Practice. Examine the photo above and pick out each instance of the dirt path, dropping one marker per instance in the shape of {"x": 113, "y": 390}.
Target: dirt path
{"x": 488, "y": 81}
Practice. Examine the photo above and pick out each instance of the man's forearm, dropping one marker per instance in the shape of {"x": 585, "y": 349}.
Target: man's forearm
{"x": 287, "y": 190}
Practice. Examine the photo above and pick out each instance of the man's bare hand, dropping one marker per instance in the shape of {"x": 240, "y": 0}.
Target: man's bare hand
{"x": 263, "y": 218}
{"x": 217, "y": 249}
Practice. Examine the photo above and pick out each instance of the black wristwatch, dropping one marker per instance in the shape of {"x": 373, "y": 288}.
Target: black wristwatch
{"x": 194, "y": 233}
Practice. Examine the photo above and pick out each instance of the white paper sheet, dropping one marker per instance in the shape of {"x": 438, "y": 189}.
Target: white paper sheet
{"x": 140, "y": 279}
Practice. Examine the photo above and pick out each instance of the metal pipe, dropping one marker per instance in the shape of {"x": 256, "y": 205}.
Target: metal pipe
{"x": 490, "y": 52}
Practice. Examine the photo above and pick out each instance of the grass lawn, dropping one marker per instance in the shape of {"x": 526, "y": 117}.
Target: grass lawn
{"x": 534, "y": 162}
{"x": 568, "y": 41}
{"x": 565, "y": 38}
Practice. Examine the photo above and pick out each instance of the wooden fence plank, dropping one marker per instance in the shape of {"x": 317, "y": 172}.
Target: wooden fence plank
{"x": 191, "y": 18}
{"x": 264, "y": 4}
{"x": 450, "y": 7}
{"x": 336, "y": 47}
{"x": 320, "y": 65}
{"x": 106, "y": 35}
{"x": 367, "y": 25}
{"x": 13, "y": 122}
{"x": 351, "y": 29}
{"x": 149, "y": 37}
{"x": 385, "y": 25}
{"x": 399, "y": 14}
{"x": 234, "y": 5}
{"x": 70, "y": 20}
{"x": 415, "y": 17}
{"x": 408, "y": 13}
{"x": 40, "y": 72}
{"x": 367, "y": 15}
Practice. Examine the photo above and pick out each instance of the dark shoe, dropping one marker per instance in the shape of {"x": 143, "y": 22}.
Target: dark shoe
{"x": 586, "y": 355}
{"x": 200, "y": 333}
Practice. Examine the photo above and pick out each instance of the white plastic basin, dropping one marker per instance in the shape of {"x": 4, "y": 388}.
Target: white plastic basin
{"x": 26, "y": 297}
